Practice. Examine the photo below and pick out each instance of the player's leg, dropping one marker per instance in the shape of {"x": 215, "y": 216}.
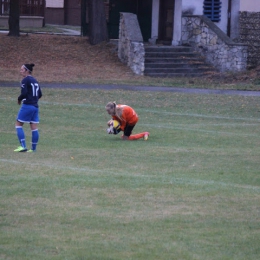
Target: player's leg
{"x": 127, "y": 134}
{"x": 34, "y": 128}
{"x": 22, "y": 118}
{"x": 143, "y": 135}
{"x": 35, "y": 136}
{"x": 21, "y": 137}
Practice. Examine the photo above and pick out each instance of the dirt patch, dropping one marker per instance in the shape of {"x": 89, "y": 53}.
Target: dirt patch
{"x": 251, "y": 76}
{"x": 60, "y": 58}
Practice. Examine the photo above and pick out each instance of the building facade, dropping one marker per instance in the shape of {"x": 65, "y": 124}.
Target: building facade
{"x": 167, "y": 16}
{"x": 63, "y": 12}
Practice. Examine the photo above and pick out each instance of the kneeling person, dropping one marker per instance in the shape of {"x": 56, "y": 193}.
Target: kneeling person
{"x": 127, "y": 117}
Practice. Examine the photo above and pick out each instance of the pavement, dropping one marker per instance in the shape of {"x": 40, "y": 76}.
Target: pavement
{"x": 65, "y": 31}
{"x": 141, "y": 88}
{"x": 70, "y": 32}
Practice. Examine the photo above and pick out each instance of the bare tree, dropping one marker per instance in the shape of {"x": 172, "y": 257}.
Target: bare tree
{"x": 97, "y": 22}
{"x": 13, "y": 21}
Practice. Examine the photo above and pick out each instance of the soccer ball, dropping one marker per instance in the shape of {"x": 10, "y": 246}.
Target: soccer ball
{"x": 114, "y": 127}
{"x": 115, "y": 124}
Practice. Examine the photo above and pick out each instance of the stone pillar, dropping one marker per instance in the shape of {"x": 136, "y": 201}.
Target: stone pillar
{"x": 155, "y": 20}
{"x": 176, "y": 38}
{"x": 235, "y": 19}
{"x": 130, "y": 43}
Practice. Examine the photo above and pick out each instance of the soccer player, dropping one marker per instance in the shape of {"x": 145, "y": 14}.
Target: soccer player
{"x": 127, "y": 118}
{"x": 29, "y": 111}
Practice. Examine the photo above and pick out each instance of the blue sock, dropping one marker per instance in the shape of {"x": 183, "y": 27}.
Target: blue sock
{"x": 21, "y": 136}
{"x": 35, "y": 139}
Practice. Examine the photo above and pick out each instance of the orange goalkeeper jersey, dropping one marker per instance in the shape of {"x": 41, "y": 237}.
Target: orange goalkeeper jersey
{"x": 129, "y": 116}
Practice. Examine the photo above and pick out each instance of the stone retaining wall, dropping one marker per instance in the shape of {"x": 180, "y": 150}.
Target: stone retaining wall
{"x": 218, "y": 49}
{"x": 249, "y": 23}
{"x": 25, "y": 21}
{"x": 130, "y": 43}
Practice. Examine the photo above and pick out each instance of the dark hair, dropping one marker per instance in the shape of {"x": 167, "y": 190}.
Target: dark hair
{"x": 29, "y": 67}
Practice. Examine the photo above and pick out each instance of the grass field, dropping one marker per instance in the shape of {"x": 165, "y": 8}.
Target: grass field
{"x": 191, "y": 192}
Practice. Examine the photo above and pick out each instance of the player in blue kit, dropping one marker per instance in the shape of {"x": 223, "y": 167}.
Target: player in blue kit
{"x": 29, "y": 111}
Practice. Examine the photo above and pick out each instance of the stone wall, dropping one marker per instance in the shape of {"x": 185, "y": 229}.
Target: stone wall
{"x": 218, "y": 49}
{"x": 130, "y": 43}
{"x": 249, "y": 23}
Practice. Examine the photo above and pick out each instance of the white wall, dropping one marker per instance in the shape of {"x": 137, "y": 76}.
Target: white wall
{"x": 250, "y": 5}
{"x": 195, "y": 6}
{"x": 55, "y": 3}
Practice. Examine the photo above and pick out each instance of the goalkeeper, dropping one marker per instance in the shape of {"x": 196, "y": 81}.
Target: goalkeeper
{"x": 127, "y": 118}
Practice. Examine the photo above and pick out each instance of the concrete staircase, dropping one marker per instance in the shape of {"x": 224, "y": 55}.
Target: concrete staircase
{"x": 175, "y": 61}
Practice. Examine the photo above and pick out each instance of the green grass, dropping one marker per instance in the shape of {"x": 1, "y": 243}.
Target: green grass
{"x": 191, "y": 192}
{"x": 176, "y": 82}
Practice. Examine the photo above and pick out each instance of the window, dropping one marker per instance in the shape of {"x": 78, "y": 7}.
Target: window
{"x": 212, "y": 9}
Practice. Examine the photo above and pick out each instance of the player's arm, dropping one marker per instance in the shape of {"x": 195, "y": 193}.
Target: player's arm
{"x": 126, "y": 117}
{"x": 40, "y": 93}
{"x": 23, "y": 93}
{"x": 123, "y": 124}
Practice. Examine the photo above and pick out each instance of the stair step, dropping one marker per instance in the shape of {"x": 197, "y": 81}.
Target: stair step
{"x": 189, "y": 60}
{"x": 175, "y": 61}
{"x": 176, "y": 75}
{"x": 176, "y": 65}
{"x": 168, "y": 49}
{"x": 170, "y": 54}
{"x": 176, "y": 70}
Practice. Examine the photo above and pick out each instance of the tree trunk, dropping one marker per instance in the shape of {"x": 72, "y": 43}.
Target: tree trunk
{"x": 97, "y": 22}
{"x": 13, "y": 21}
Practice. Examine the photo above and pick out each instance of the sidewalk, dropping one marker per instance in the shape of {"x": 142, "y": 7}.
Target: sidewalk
{"x": 41, "y": 30}
{"x": 141, "y": 88}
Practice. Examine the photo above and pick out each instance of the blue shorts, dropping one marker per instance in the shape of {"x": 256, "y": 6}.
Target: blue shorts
{"x": 28, "y": 114}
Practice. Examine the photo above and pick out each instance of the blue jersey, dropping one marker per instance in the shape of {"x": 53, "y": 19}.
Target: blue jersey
{"x": 30, "y": 91}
